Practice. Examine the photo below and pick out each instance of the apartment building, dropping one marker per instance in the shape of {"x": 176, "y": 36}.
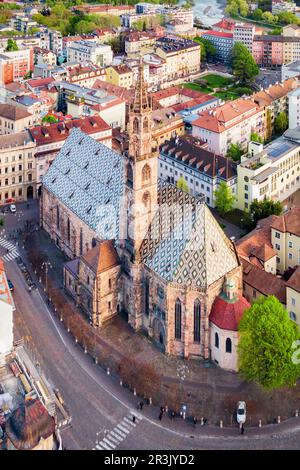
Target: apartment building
{"x": 244, "y": 33}
{"x": 85, "y": 51}
{"x": 139, "y": 42}
{"x": 223, "y": 42}
{"x": 17, "y": 167}
{"x": 14, "y": 65}
{"x": 271, "y": 172}
{"x": 202, "y": 170}
{"x": 120, "y": 75}
{"x": 232, "y": 122}
{"x": 115, "y": 10}
{"x": 182, "y": 56}
{"x": 14, "y": 119}
{"x": 279, "y": 6}
{"x": 274, "y": 100}
{"x": 269, "y": 251}
{"x": 44, "y": 56}
{"x": 274, "y": 51}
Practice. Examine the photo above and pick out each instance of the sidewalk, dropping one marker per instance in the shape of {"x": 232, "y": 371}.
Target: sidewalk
{"x": 209, "y": 392}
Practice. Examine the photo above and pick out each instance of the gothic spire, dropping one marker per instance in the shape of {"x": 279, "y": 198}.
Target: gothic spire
{"x": 141, "y": 101}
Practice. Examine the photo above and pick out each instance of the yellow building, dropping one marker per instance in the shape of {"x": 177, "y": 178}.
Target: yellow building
{"x": 285, "y": 239}
{"x": 120, "y": 75}
{"x": 182, "y": 56}
{"x": 293, "y": 296}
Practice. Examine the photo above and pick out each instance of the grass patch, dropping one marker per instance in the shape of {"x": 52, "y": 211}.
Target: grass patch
{"x": 217, "y": 81}
{"x": 226, "y": 95}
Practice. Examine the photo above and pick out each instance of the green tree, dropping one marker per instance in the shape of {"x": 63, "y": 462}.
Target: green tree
{"x": 208, "y": 50}
{"x": 182, "y": 184}
{"x": 224, "y": 199}
{"x": 257, "y": 14}
{"x": 234, "y": 152}
{"x": 244, "y": 66}
{"x": 280, "y": 123}
{"x": 266, "y": 348}
{"x": 11, "y": 45}
{"x": 49, "y": 118}
{"x": 1, "y": 222}
{"x": 262, "y": 209}
{"x": 268, "y": 17}
{"x": 286, "y": 17}
{"x": 255, "y": 137}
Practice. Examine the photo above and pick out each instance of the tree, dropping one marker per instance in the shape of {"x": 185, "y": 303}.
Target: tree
{"x": 208, "y": 50}
{"x": 262, "y": 209}
{"x": 182, "y": 184}
{"x": 268, "y": 17}
{"x": 11, "y": 45}
{"x": 234, "y": 152}
{"x": 255, "y": 137}
{"x": 224, "y": 199}
{"x": 244, "y": 66}
{"x": 286, "y": 17}
{"x": 280, "y": 123}
{"x": 257, "y": 14}
{"x": 49, "y": 118}
{"x": 266, "y": 347}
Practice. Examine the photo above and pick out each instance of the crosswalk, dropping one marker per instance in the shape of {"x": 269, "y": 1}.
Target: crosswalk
{"x": 13, "y": 251}
{"x": 114, "y": 438}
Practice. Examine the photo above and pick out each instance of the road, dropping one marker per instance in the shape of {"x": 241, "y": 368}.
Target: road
{"x": 101, "y": 409}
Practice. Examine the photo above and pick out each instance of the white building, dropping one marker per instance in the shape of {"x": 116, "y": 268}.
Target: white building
{"x": 84, "y": 51}
{"x": 6, "y": 314}
{"x": 244, "y": 33}
{"x": 272, "y": 171}
{"x": 294, "y": 108}
{"x": 202, "y": 170}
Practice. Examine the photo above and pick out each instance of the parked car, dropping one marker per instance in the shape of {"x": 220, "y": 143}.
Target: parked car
{"x": 12, "y": 208}
{"x": 10, "y": 285}
{"x": 241, "y": 412}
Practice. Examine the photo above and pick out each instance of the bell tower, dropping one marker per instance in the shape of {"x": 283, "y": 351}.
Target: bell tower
{"x": 141, "y": 166}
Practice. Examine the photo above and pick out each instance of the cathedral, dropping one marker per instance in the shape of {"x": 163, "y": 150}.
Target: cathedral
{"x": 142, "y": 247}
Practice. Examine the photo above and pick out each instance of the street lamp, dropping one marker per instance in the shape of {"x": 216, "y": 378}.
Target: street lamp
{"x": 46, "y": 265}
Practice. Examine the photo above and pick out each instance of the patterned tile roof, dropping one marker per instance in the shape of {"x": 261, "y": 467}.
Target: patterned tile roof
{"x": 87, "y": 177}
{"x": 185, "y": 244}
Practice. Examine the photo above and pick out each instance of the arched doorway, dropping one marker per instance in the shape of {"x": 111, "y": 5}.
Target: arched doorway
{"x": 30, "y": 192}
{"x": 40, "y": 191}
{"x": 159, "y": 334}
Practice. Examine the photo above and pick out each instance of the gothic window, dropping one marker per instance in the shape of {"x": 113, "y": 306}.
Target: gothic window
{"x": 135, "y": 125}
{"x": 216, "y": 340}
{"x": 81, "y": 242}
{"x": 178, "y": 319}
{"x": 129, "y": 175}
{"x": 68, "y": 230}
{"x": 146, "y": 174}
{"x": 147, "y": 201}
{"x": 197, "y": 320}
{"x": 147, "y": 297}
{"x": 146, "y": 124}
{"x": 228, "y": 345}
{"x": 57, "y": 217}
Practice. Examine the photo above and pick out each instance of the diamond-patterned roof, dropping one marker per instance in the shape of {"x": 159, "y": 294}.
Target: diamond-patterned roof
{"x": 87, "y": 177}
{"x": 185, "y": 244}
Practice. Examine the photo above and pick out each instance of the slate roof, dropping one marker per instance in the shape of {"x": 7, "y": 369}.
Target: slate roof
{"x": 87, "y": 177}
{"x": 185, "y": 244}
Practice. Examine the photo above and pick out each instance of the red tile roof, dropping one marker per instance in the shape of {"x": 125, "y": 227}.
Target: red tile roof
{"x": 219, "y": 34}
{"x": 294, "y": 280}
{"x": 263, "y": 282}
{"x": 56, "y": 132}
{"x": 225, "y": 24}
{"x": 215, "y": 119}
{"x": 40, "y": 82}
{"x": 288, "y": 222}
{"x": 226, "y": 314}
{"x": 102, "y": 257}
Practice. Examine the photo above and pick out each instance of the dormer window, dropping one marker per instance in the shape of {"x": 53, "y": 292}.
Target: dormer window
{"x": 54, "y": 179}
{"x": 86, "y": 165}
{"x": 87, "y": 186}
{"x": 89, "y": 209}
{"x": 68, "y": 171}
{"x": 71, "y": 195}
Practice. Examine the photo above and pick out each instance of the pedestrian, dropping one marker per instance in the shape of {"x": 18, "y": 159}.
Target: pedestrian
{"x": 162, "y": 409}
{"x": 133, "y": 419}
{"x": 205, "y": 421}
{"x": 7, "y": 250}
{"x": 160, "y": 416}
{"x": 242, "y": 429}
{"x": 195, "y": 421}
{"x": 172, "y": 414}
{"x": 141, "y": 405}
